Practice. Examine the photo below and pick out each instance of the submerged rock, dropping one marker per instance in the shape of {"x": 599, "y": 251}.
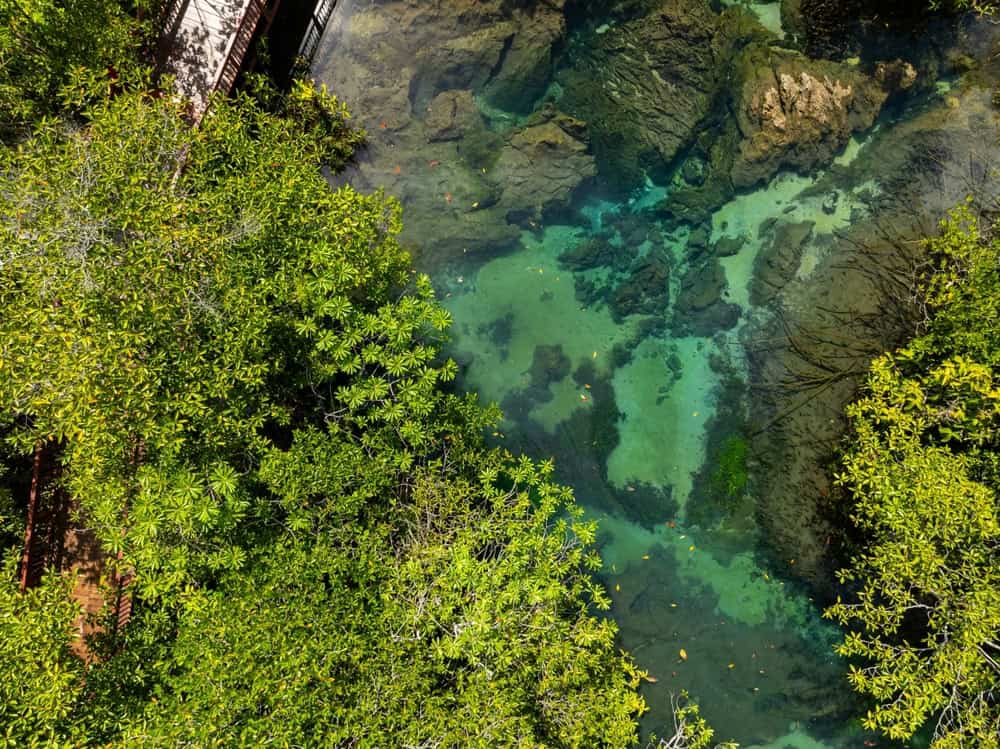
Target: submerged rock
{"x": 694, "y": 170}
{"x": 700, "y": 309}
{"x": 840, "y": 28}
{"x": 645, "y": 291}
{"x": 728, "y": 246}
{"x": 549, "y": 364}
{"x": 541, "y": 165}
{"x": 595, "y": 252}
{"x": 451, "y": 115}
{"x": 778, "y": 261}
{"x": 525, "y": 68}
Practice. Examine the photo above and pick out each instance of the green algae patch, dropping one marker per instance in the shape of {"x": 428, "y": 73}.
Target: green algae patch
{"x": 730, "y": 477}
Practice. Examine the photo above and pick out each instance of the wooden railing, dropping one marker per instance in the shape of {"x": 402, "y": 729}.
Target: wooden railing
{"x": 239, "y": 46}
{"x": 314, "y": 32}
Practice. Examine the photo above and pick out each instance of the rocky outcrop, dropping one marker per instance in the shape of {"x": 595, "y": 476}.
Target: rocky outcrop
{"x": 451, "y": 115}
{"x": 645, "y": 86}
{"x": 541, "y": 165}
{"x": 797, "y": 113}
{"x": 895, "y": 75}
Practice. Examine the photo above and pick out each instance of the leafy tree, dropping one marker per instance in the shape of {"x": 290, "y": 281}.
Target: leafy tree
{"x": 461, "y": 623}
{"x": 982, "y": 7}
{"x": 923, "y": 470}
{"x": 42, "y": 42}
{"x": 240, "y": 374}
{"x": 41, "y": 680}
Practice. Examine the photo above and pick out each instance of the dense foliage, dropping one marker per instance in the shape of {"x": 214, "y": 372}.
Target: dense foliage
{"x": 40, "y": 676}
{"x": 44, "y": 45}
{"x": 240, "y": 375}
{"x": 924, "y": 470}
{"x": 982, "y": 7}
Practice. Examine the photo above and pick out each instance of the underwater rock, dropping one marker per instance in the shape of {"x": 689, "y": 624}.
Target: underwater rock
{"x": 525, "y": 67}
{"x": 548, "y": 364}
{"x": 595, "y": 252}
{"x": 695, "y": 204}
{"x": 840, "y": 28}
{"x": 645, "y": 291}
{"x": 700, "y": 309}
{"x": 500, "y": 330}
{"x": 541, "y": 165}
{"x": 645, "y": 86}
{"x": 797, "y": 113}
{"x": 728, "y": 246}
{"x": 694, "y": 170}
{"x": 697, "y": 241}
{"x": 451, "y": 115}
{"x": 462, "y": 61}
{"x": 421, "y": 49}
{"x": 702, "y": 287}
{"x": 778, "y": 261}
{"x": 791, "y": 19}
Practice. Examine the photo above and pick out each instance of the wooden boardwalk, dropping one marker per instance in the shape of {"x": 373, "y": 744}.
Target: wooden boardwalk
{"x": 54, "y": 541}
{"x": 204, "y": 43}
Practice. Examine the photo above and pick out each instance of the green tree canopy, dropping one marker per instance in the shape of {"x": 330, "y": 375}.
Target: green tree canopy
{"x": 44, "y": 44}
{"x": 924, "y": 470}
{"x": 241, "y": 376}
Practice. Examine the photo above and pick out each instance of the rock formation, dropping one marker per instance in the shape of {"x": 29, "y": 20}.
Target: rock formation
{"x": 797, "y": 113}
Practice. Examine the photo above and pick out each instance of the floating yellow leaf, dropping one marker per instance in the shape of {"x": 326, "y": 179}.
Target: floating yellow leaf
{"x": 683, "y": 654}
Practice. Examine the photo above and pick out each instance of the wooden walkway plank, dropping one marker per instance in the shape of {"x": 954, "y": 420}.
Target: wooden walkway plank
{"x": 205, "y": 43}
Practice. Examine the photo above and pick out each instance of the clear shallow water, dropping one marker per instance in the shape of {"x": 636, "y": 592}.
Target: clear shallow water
{"x": 758, "y": 656}
{"x": 616, "y": 338}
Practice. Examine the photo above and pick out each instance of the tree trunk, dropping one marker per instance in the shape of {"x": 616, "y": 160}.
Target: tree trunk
{"x": 27, "y": 561}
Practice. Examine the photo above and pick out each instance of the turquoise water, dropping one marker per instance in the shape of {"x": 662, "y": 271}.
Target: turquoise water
{"x": 758, "y": 656}
{"x": 627, "y": 333}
